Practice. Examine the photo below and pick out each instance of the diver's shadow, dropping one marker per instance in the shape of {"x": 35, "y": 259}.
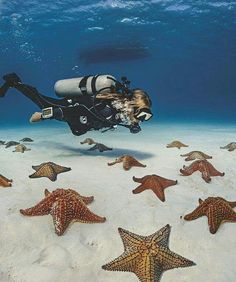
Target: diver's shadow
{"x": 115, "y": 152}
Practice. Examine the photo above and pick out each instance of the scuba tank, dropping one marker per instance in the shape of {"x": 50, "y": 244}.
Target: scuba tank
{"x": 87, "y": 85}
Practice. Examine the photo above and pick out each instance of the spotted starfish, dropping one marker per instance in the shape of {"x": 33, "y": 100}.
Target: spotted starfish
{"x": 5, "y": 182}
{"x": 100, "y": 147}
{"x": 88, "y": 141}
{"x": 155, "y": 183}
{"x": 206, "y": 168}
{"x": 128, "y": 162}
{"x": 230, "y": 147}
{"x": 176, "y": 144}
{"x": 147, "y": 256}
{"x": 21, "y": 148}
{"x": 196, "y": 155}
{"x": 49, "y": 170}
{"x": 65, "y": 206}
{"x": 11, "y": 143}
{"x": 217, "y": 211}
{"x": 27, "y": 139}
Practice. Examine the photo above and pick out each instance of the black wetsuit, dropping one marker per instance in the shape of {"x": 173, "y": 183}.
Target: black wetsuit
{"x": 82, "y": 113}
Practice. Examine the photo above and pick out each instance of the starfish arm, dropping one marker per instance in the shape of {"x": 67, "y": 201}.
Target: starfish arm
{"x": 139, "y": 189}
{"x": 214, "y": 172}
{"x": 189, "y": 158}
{"x": 214, "y": 218}
{"x": 87, "y": 200}
{"x": 167, "y": 182}
{"x": 232, "y": 204}
{"x": 46, "y": 192}
{"x": 130, "y": 240}
{"x": 42, "y": 208}
{"x": 188, "y": 170}
{"x": 159, "y": 192}
{"x": 59, "y": 169}
{"x": 206, "y": 176}
{"x": 36, "y": 167}
{"x": 170, "y": 260}
{"x": 44, "y": 171}
{"x": 137, "y": 163}
{"x": 126, "y": 165}
{"x": 93, "y": 148}
{"x": 83, "y": 214}
{"x": 161, "y": 237}
{"x": 139, "y": 180}
{"x": 126, "y": 262}
{"x": 198, "y": 212}
{"x": 62, "y": 215}
{"x": 185, "y": 155}
{"x": 148, "y": 270}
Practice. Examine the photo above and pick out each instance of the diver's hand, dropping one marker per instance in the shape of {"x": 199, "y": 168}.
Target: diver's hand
{"x": 36, "y": 117}
{"x": 11, "y": 79}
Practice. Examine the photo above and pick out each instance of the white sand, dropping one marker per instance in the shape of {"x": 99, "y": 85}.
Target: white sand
{"x": 30, "y": 251}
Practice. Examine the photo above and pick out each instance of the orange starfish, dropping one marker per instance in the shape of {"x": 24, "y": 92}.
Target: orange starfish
{"x": 5, "y": 182}
{"x": 154, "y": 182}
{"x": 176, "y": 144}
{"x": 206, "y": 168}
{"x": 216, "y": 209}
{"x": 147, "y": 256}
{"x": 128, "y": 162}
{"x": 65, "y": 206}
{"x": 49, "y": 170}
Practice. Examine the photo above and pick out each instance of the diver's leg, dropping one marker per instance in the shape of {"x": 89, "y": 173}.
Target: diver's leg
{"x": 13, "y": 81}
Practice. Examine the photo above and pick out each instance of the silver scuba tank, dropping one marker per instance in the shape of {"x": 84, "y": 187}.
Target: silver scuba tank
{"x": 87, "y": 85}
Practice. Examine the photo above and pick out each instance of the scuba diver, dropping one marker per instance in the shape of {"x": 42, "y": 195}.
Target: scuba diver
{"x": 87, "y": 103}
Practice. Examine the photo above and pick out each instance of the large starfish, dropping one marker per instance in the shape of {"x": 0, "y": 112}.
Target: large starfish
{"x": 21, "y": 148}
{"x": 88, "y": 141}
{"x": 191, "y": 156}
{"x": 128, "y": 162}
{"x": 100, "y": 147}
{"x": 65, "y": 206}
{"x": 176, "y": 144}
{"x": 49, "y": 170}
{"x": 147, "y": 256}
{"x": 5, "y": 182}
{"x": 230, "y": 147}
{"x": 155, "y": 183}
{"x": 206, "y": 168}
{"x": 217, "y": 211}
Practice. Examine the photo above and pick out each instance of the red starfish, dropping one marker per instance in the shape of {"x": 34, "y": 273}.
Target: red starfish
{"x": 65, "y": 206}
{"x": 154, "y": 182}
{"x": 206, "y": 168}
{"x": 216, "y": 209}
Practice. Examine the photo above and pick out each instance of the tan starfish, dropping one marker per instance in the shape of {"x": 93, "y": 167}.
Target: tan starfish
{"x": 49, "y": 170}
{"x": 191, "y": 156}
{"x": 128, "y": 162}
{"x": 230, "y": 147}
{"x": 21, "y": 148}
{"x": 88, "y": 141}
{"x": 65, "y": 206}
{"x": 155, "y": 183}
{"x": 206, "y": 168}
{"x": 147, "y": 256}
{"x": 5, "y": 182}
{"x": 176, "y": 144}
{"x": 216, "y": 209}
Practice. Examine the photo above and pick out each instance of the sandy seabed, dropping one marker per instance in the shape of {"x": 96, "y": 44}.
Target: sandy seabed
{"x": 30, "y": 251}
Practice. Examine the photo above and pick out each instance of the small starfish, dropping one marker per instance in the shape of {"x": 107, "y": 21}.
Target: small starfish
{"x": 11, "y": 143}
{"x": 49, "y": 170}
{"x": 128, "y": 162}
{"x": 88, "y": 141}
{"x": 65, "y": 206}
{"x": 206, "y": 168}
{"x": 216, "y": 209}
{"x": 230, "y": 147}
{"x": 147, "y": 256}
{"x": 196, "y": 155}
{"x": 176, "y": 144}
{"x": 100, "y": 147}
{"x": 5, "y": 182}
{"x": 2, "y": 142}
{"x": 27, "y": 139}
{"x": 155, "y": 183}
{"x": 21, "y": 148}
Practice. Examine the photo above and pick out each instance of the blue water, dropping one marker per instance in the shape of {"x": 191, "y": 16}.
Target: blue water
{"x": 181, "y": 52}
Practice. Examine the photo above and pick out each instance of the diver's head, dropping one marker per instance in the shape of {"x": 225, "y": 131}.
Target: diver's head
{"x": 142, "y": 105}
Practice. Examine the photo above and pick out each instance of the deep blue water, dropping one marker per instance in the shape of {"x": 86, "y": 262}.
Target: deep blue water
{"x": 183, "y": 53}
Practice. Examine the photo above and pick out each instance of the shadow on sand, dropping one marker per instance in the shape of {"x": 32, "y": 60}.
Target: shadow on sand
{"x": 69, "y": 151}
